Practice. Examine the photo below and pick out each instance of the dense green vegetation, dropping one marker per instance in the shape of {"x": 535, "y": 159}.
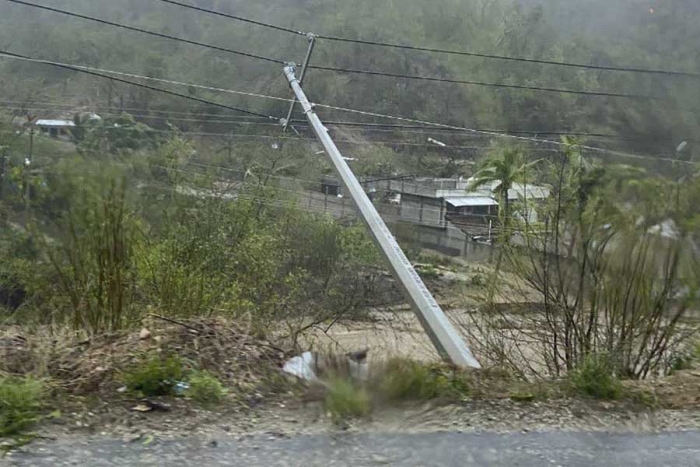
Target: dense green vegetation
{"x": 101, "y": 244}
{"x": 165, "y": 209}
{"x": 624, "y": 33}
{"x": 146, "y": 210}
{"x": 21, "y": 402}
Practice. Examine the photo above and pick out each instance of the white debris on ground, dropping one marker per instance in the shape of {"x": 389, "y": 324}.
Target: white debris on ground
{"x": 302, "y": 366}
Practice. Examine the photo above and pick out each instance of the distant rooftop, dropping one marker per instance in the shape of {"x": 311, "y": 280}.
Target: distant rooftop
{"x": 459, "y": 188}
{"x": 55, "y": 123}
{"x": 474, "y": 201}
{"x": 517, "y": 191}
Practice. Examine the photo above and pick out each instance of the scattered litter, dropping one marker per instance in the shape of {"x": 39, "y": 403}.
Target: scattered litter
{"x": 148, "y": 440}
{"x": 301, "y": 366}
{"x": 142, "y": 408}
{"x": 122, "y": 390}
{"x": 181, "y": 387}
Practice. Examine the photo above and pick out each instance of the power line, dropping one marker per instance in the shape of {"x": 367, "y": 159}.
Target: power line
{"x": 160, "y": 80}
{"x": 30, "y": 104}
{"x": 515, "y": 59}
{"x": 234, "y": 17}
{"x": 479, "y": 83}
{"x": 442, "y": 51}
{"x": 365, "y": 126}
{"x": 375, "y": 142}
{"x": 338, "y": 70}
{"x": 301, "y": 139}
{"x": 146, "y": 31}
{"x": 390, "y": 126}
{"x": 498, "y": 135}
{"x": 152, "y": 88}
{"x": 329, "y": 123}
{"x": 408, "y": 144}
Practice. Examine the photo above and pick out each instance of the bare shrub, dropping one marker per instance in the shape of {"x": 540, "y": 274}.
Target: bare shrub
{"x": 614, "y": 269}
{"x": 93, "y": 261}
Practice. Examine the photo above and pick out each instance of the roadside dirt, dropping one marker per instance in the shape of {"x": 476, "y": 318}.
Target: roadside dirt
{"x": 287, "y": 418}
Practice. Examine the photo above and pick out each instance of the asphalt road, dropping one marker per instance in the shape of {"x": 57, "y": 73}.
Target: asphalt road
{"x": 434, "y": 449}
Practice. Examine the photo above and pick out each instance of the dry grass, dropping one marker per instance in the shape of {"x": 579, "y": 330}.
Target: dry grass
{"x": 94, "y": 366}
{"x": 246, "y": 365}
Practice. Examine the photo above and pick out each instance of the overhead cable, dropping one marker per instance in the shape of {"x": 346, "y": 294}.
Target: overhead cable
{"x": 234, "y": 17}
{"x": 234, "y": 119}
{"x": 515, "y": 59}
{"x": 334, "y": 69}
{"x": 146, "y": 31}
{"x": 442, "y": 51}
{"x": 160, "y": 80}
{"x": 479, "y": 83}
{"x": 11, "y": 55}
{"x": 498, "y": 135}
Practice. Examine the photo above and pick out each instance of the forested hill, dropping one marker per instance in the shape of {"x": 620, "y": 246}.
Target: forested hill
{"x": 631, "y": 33}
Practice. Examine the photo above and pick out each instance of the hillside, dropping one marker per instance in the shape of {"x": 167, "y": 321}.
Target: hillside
{"x": 593, "y": 32}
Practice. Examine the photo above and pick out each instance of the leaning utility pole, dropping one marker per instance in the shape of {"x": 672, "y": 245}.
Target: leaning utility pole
{"x": 444, "y": 336}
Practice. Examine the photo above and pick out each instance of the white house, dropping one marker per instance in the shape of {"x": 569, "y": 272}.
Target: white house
{"x": 55, "y": 128}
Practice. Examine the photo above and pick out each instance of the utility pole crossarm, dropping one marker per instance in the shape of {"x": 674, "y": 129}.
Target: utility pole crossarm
{"x": 443, "y": 335}
{"x": 312, "y": 42}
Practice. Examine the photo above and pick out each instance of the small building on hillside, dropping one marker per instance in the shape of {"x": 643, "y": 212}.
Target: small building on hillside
{"x": 55, "y": 128}
{"x": 435, "y": 202}
{"x": 481, "y": 203}
{"x": 331, "y": 186}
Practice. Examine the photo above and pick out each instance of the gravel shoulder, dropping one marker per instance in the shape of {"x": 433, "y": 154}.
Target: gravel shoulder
{"x": 497, "y": 432}
{"x": 426, "y": 449}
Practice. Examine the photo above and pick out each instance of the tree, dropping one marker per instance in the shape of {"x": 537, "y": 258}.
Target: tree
{"x": 504, "y": 171}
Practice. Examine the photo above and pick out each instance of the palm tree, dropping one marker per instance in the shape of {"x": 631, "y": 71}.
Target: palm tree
{"x": 507, "y": 168}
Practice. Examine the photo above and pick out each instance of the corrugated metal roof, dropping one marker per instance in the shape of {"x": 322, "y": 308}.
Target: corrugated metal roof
{"x": 54, "y": 123}
{"x": 471, "y": 201}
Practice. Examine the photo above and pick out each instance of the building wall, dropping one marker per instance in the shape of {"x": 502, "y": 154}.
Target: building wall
{"x": 422, "y": 210}
{"x": 451, "y": 241}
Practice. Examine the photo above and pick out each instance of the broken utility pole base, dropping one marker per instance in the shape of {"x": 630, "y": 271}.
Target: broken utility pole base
{"x": 444, "y": 336}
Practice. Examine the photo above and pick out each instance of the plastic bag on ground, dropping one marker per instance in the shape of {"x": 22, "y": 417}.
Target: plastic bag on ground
{"x": 301, "y": 366}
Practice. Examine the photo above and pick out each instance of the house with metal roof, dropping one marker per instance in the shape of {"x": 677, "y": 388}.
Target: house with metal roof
{"x": 55, "y": 128}
{"x": 435, "y": 202}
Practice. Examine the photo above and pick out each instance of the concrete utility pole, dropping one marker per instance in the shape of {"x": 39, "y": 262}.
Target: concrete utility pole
{"x": 444, "y": 336}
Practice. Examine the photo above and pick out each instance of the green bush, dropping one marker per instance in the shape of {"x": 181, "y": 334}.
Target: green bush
{"x": 408, "y": 380}
{"x": 346, "y": 401}
{"x": 596, "y": 378}
{"x": 21, "y": 401}
{"x": 478, "y": 280}
{"x": 155, "y": 376}
{"x": 205, "y": 388}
